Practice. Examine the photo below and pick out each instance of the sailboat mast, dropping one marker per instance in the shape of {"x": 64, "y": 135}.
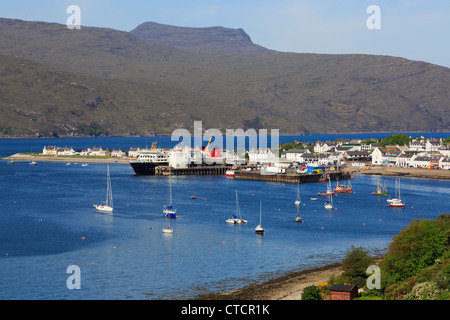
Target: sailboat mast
{"x": 170, "y": 186}
{"x": 237, "y": 206}
{"x": 108, "y": 187}
{"x": 260, "y": 207}
{"x": 110, "y": 191}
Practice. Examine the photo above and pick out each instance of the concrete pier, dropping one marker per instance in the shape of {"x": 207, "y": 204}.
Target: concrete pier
{"x": 203, "y": 170}
{"x": 288, "y": 178}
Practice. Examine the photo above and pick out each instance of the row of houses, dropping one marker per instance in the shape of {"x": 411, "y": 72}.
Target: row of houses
{"x": 419, "y": 153}
{"x": 393, "y": 156}
{"x": 424, "y": 145}
{"x": 338, "y": 156}
{"x": 95, "y": 151}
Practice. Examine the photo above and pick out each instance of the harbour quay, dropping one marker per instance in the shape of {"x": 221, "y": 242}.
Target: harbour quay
{"x": 200, "y": 170}
{"x": 289, "y": 178}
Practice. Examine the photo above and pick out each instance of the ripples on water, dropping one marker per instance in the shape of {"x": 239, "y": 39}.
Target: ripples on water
{"x": 46, "y": 210}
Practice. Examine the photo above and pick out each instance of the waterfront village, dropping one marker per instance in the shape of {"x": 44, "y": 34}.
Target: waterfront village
{"x": 418, "y": 153}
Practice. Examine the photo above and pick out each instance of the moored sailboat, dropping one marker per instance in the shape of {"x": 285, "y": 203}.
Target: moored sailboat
{"x": 108, "y": 205}
{"x": 298, "y": 201}
{"x": 259, "y": 229}
{"x": 236, "y": 218}
{"x": 329, "y": 191}
{"x": 167, "y": 230}
{"x": 299, "y": 217}
{"x": 395, "y": 198}
{"x": 397, "y": 202}
{"x": 169, "y": 211}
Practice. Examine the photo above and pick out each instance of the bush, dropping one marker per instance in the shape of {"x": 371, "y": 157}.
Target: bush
{"x": 423, "y": 291}
{"x": 413, "y": 249}
{"x": 355, "y": 264}
{"x": 311, "y": 293}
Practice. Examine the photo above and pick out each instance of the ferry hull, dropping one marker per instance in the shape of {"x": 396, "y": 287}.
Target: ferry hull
{"x": 145, "y": 168}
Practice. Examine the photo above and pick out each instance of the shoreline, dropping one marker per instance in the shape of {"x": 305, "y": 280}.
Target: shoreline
{"x": 287, "y": 287}
{"x": 432, "y": 174}
{"x": 21, "y": 157}
{"x": 304, "y": 133}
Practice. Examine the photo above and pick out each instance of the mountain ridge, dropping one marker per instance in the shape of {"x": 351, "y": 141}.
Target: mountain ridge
{"x": 215, "y": 39}
{"x": 295, "y": 92}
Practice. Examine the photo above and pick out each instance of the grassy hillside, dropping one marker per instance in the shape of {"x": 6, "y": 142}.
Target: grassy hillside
{"x": 154, "y": 86}
{"x": 36, "y": 100}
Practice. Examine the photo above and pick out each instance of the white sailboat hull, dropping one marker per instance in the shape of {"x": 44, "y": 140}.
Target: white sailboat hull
{"x": 236, "y": 221}
{"x": 103, "y": 208}
{"x": 167, "y": 230}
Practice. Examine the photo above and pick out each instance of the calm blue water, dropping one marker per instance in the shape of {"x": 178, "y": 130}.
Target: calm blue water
{"x": 46, "y": 211}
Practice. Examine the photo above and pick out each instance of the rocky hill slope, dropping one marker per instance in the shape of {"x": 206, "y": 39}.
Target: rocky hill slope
{"x": 154, "y": 82}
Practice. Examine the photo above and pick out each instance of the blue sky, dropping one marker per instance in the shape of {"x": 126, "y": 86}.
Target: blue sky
{"x": 413, "y": 29}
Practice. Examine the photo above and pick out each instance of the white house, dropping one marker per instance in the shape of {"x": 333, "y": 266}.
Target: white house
{"x": 316, "y": 158}
{"x": 66, "y": 151}
{"x": 432, "y": 145}
{"x": 320, "y": 147}
{"x": 50, "y": 150}
{"x": 262, "y": 156}
{"x": 405, "y": 159}
{"x": 360, "y": 156}
{"x": 117, "y": 153}
{"x": 444, "y": 149}
{"x": 417, "y": 145}
{"x": 385, "y": 156}
{"x": 98, "y": 152}
{"x": 444, "y": 163}
{"x": 425, "y": 145}
{"x": 379, "y": 156}
{"x": 294, "y": 155}
{"x": 421, "y": 161}
{"x": 366, "y": 147}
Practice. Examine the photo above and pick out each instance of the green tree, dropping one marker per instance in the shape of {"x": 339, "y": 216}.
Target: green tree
{"x": 311, "y": 293}
{"x": 413, "y": 249}
{"x": 355, "y": 264}
{"x": 395, "y": 139}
